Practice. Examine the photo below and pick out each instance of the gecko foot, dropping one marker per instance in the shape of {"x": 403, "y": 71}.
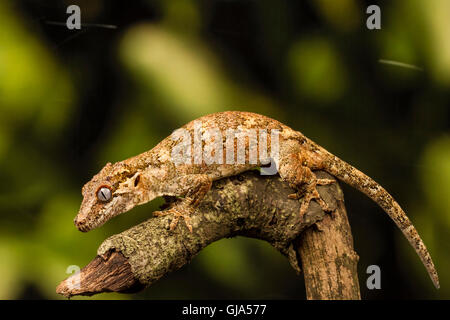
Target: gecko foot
{"x": 309, "y": 192}
{"x": 177, "y": 212}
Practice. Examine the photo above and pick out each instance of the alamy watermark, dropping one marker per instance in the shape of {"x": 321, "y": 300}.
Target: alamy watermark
{"x": 74, "y": 281}
{"x": 74, "y": 20}
{"x": 209, "y": 146}
{"x": 373, "y": 22}
{"x": 374, "y": 280}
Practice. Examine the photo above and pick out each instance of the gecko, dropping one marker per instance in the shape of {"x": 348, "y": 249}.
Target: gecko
{"x": 121, "y": 186}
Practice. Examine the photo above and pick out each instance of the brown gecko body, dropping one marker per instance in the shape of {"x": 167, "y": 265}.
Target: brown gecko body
{"x": 119, "y": 187}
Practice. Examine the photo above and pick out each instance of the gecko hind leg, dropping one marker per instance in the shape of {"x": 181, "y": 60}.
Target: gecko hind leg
{"x": 311, "y": 193}
{"x": 304, "y": 181}
{"x": 301, "y": 193}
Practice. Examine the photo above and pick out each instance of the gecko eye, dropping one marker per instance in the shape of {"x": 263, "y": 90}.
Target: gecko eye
{"x": 104, "y": 194}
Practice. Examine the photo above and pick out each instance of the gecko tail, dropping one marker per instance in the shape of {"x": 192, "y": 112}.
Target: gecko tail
{"x": 355, "y": 178}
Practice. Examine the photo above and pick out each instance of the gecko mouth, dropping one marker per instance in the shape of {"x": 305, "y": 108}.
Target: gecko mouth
{"x": 90, "y": 218}
{"x": 85, "y": 225}
{"x": 81, "y": 225}
{"x": 85, "y": 222}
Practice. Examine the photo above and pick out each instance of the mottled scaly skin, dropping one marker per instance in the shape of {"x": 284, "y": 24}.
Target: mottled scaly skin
{"x": 151, "y": 174}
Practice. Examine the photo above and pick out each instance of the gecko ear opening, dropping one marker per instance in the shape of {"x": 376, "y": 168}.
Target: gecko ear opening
{"x": 136, "y": 181}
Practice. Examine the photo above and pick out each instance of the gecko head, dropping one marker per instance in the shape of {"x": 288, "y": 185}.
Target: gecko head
{"x": 114, "y": 190}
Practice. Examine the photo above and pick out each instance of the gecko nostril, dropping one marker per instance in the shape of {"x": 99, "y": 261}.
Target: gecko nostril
{"x": 80, "y": 223}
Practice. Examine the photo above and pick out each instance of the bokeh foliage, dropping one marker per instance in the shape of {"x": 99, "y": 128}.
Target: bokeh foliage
{"x": 71, "y": 101}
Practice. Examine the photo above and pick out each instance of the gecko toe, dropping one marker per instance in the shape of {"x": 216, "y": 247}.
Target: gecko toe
{"x": 177, "y": 213}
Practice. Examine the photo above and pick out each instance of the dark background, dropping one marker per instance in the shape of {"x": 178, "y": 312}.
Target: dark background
{"x": 72, "y": 100}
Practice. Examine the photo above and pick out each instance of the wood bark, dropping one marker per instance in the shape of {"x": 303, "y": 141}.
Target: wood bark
{"x": 247, "y": 205}
{"x": 328, "y": 259}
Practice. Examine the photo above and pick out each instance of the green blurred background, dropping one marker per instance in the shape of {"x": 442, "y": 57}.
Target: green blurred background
{"x": 72, "y": 100}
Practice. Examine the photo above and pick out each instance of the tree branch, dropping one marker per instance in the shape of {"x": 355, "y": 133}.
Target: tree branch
{"x": 248, "y": 205}
{"x": 328, "y": 259}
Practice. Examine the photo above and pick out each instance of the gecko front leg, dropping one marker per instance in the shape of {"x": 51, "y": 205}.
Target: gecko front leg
{"x": 296, "y": 169}
{"x": 192, "y": 188}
